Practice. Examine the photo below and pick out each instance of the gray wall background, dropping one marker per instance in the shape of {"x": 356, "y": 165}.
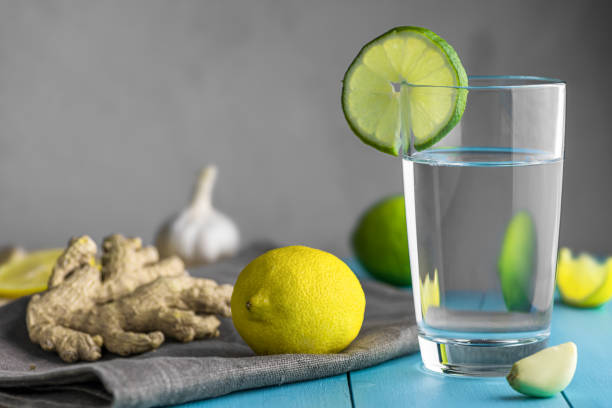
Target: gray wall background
{"x": 108, "y": 110}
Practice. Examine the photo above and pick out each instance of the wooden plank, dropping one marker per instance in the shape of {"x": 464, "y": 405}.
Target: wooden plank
{"x": 493, "y": 302}
{"x": 404, "y": 382}
{"x": 463, "y": 300}
{"x": 591, "y": 330}
{"x": 325, "y": 392}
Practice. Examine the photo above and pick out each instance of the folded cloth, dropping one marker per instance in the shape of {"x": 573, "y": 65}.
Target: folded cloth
{"x": 177, "y": 372}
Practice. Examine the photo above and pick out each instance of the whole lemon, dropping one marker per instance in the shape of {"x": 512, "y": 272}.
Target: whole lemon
{"x": 297, "y": 300}
{"x": 380, "y": 241}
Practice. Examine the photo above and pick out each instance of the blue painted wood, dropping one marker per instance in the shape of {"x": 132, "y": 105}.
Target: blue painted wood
{"x": 591, "y": 330}
{"x": 325, "y": 392}
{"x": 462, "y": 299}
{"x": 493, "y": 302}
{"x": 404, "y": 382}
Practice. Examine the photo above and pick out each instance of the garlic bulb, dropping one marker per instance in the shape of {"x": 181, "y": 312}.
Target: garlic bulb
{"x": 199, "y": 234}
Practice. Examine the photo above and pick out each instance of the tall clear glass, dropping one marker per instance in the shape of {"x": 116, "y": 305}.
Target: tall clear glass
{"x": 482, "y": 210}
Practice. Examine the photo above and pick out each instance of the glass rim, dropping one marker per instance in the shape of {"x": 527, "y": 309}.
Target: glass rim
{"x": 522, "y": 81}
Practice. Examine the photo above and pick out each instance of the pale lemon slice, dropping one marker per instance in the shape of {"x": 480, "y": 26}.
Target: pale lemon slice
{"x": 27, "y": 275}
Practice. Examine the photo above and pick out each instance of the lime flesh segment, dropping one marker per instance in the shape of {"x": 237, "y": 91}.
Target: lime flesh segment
{"x": 404, "y": 83}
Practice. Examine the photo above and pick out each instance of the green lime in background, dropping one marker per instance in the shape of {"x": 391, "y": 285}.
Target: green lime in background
{"x": 517, "y": 261}
{"x": 380, "y": 241}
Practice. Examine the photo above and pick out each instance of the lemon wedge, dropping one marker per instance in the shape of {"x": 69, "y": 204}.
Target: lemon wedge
{"x": 583, "y": 281}
{"x": 27, "y": 275}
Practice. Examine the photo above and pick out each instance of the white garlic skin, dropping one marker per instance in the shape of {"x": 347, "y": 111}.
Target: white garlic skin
{"x": 200, "y": 234}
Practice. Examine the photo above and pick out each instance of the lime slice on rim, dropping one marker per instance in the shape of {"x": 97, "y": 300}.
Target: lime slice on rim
{"x": 29, "y": 274}
{"x": 401, "y": 83}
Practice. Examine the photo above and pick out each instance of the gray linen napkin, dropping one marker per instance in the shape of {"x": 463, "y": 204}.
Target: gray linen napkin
{"x": 177, "y": 372}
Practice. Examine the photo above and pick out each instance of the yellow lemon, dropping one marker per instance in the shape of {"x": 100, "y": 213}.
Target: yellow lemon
{"x": 28, "y": 274}
{"x": 297, "y": 300}
{"x": 583, "y": 281}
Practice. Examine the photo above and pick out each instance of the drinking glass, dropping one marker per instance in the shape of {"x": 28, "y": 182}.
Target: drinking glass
{"x": 482, "y": 211}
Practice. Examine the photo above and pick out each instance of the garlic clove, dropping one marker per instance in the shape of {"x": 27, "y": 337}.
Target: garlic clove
{"x": 200, "y": 234}
{"x": 546, "y": 372}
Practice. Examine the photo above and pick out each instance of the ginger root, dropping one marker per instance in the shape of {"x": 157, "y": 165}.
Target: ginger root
{"x": 128, "y": 305}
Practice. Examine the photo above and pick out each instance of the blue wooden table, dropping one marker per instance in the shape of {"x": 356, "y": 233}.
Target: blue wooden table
{"x": 404, "y": 381}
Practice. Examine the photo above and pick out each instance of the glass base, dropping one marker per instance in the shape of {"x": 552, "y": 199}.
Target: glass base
{"x": 477, "y": 358}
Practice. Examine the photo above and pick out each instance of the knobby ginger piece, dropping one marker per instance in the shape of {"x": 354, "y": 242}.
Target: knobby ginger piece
{"x": 128, "y": 305}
